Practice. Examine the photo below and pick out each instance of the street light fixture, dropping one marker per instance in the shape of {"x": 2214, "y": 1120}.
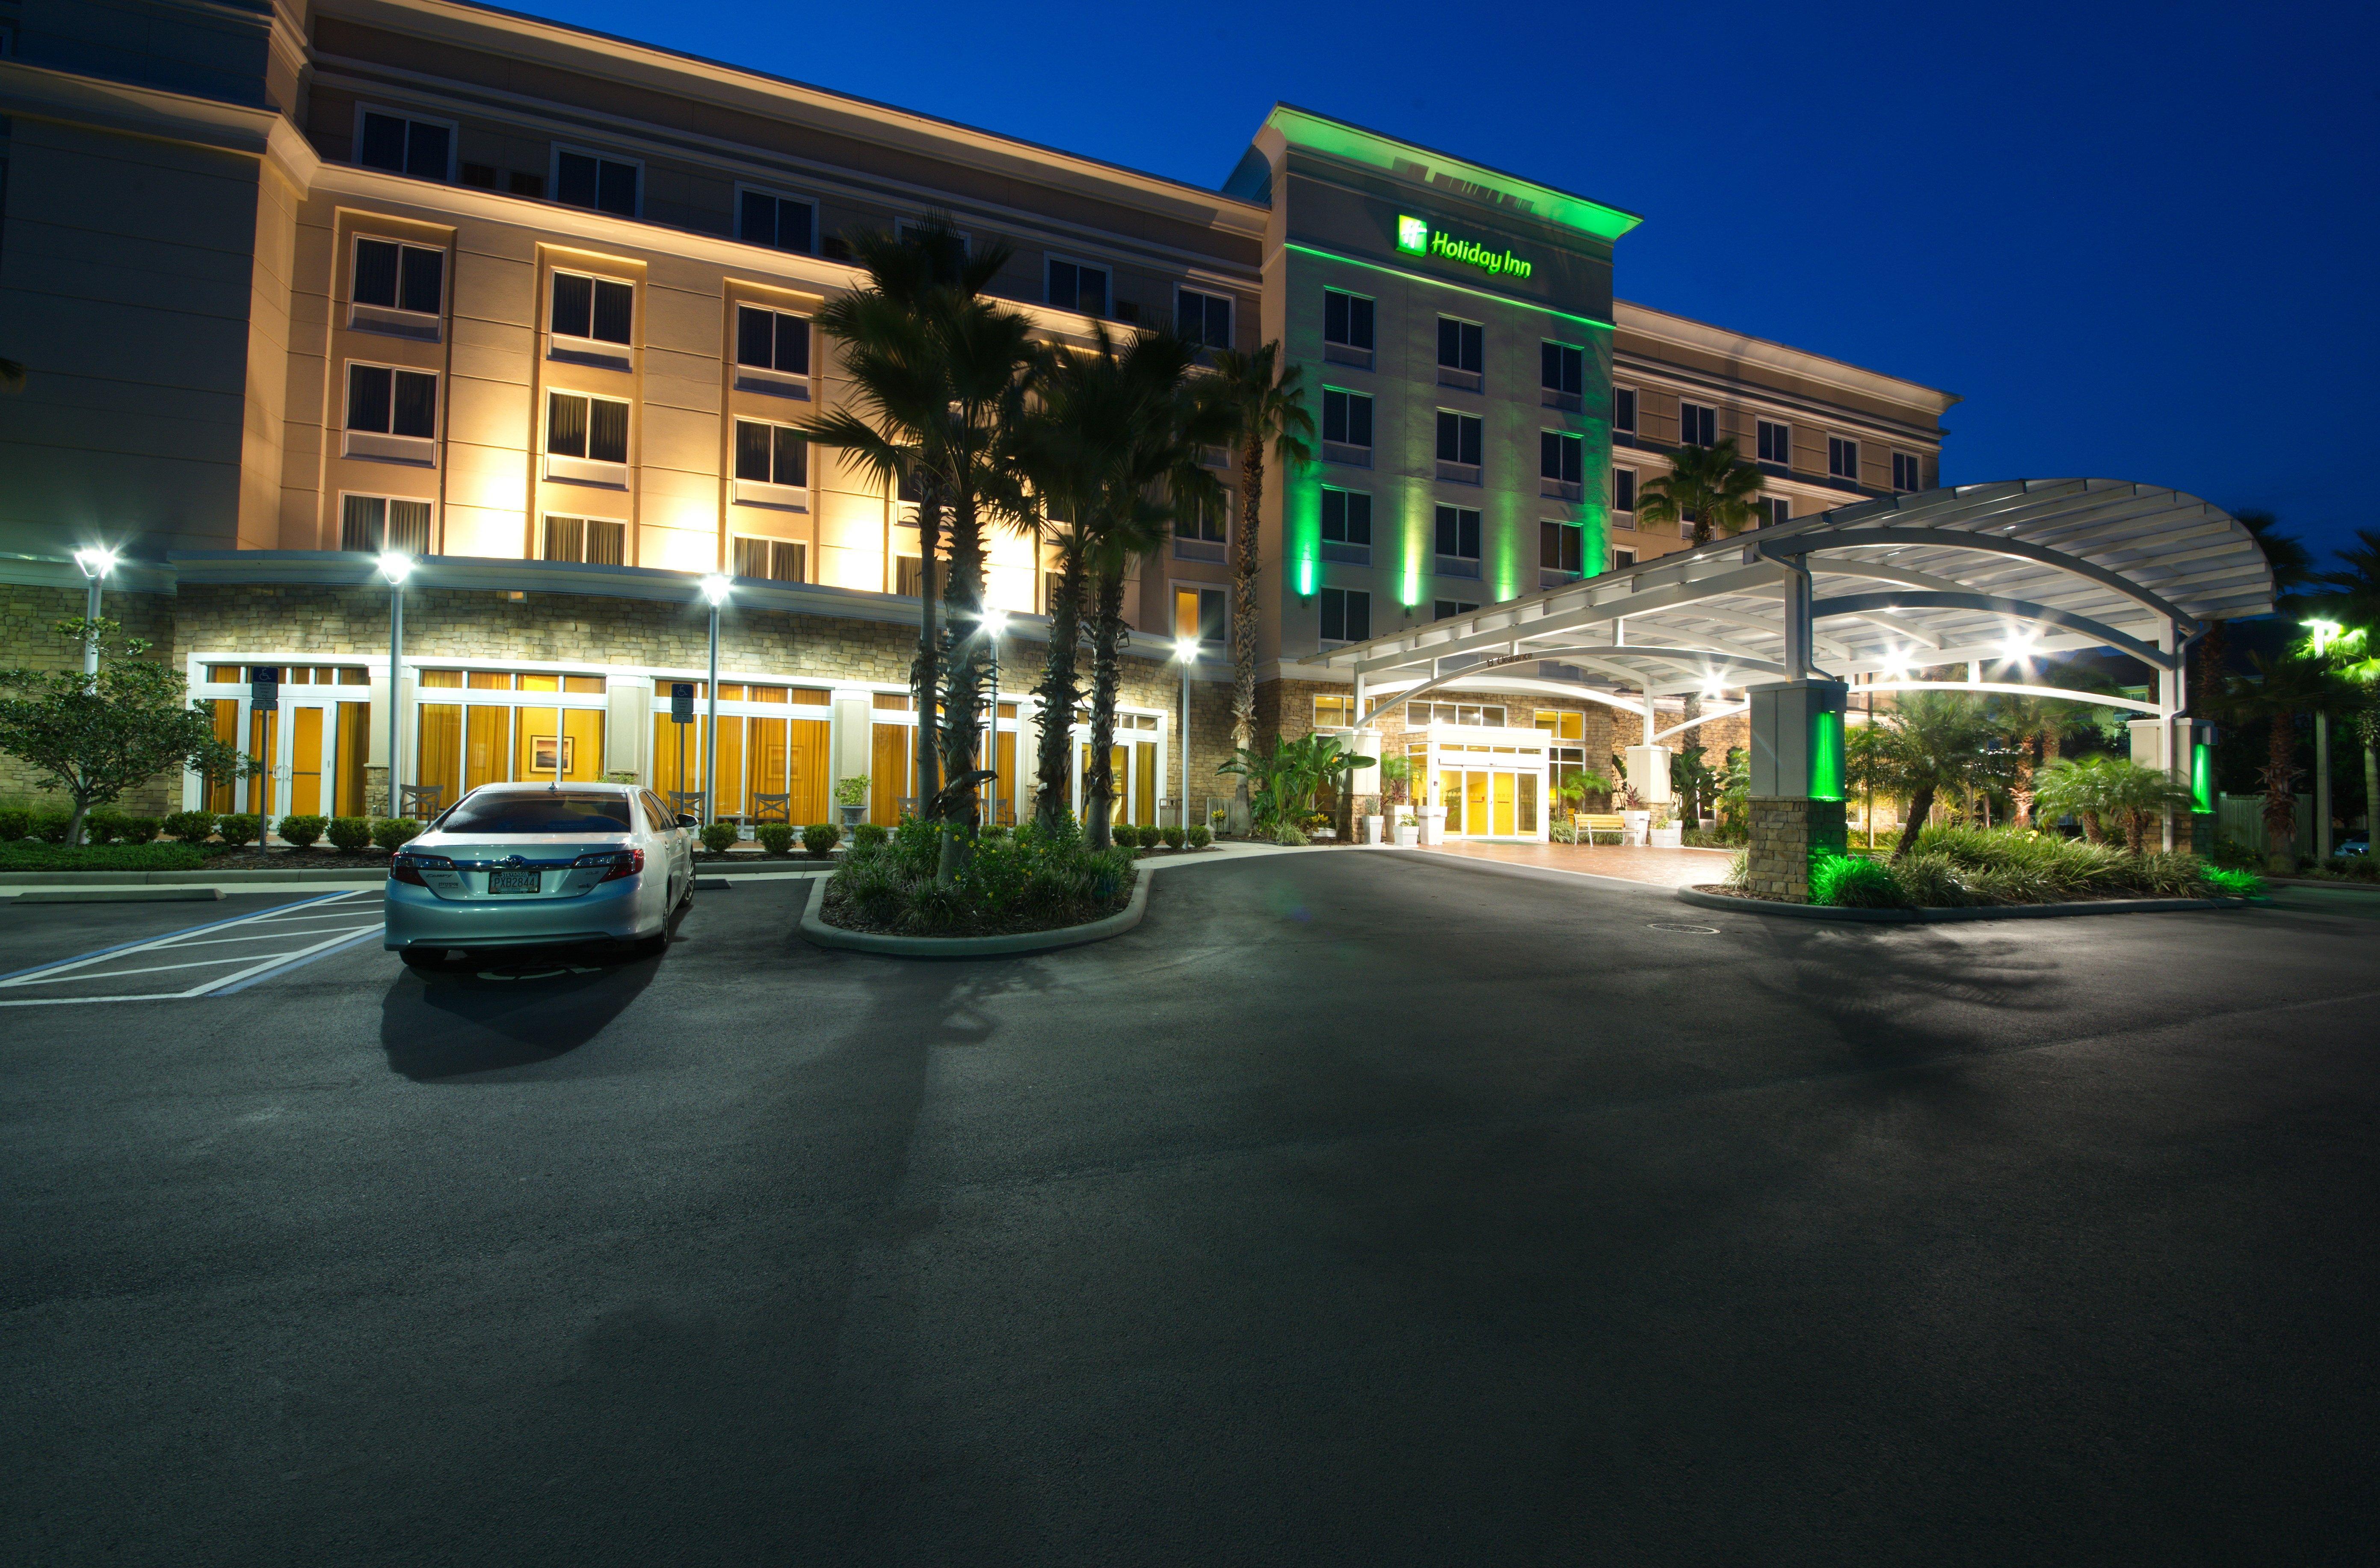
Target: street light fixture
{"x": 96, "y": 561}
{"x": 716, "y": 586}
{"x": 1185, "y": 649}
{"x": 994, "y": 622}
{"x": 395, "y": 566}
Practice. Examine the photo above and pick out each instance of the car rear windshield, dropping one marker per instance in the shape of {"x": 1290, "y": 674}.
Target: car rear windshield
{"x": 554, "y": 812}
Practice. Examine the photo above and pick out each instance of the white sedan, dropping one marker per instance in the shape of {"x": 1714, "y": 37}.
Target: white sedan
{"x": 541, "y": 865}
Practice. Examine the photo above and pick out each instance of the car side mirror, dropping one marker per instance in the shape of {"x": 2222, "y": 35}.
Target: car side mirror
{"x": 685, "y": 821}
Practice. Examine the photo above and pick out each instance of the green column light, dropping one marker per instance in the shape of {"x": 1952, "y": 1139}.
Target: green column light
{"x": 1827, "y": 755}
{"x": 2202, "y": 778}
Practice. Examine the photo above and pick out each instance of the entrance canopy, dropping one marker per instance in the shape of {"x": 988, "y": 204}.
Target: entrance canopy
{"x": 1996, "y": 574}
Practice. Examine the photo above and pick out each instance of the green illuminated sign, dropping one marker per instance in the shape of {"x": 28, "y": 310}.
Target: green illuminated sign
{"x": 1827, "y": 755}
{"x": 1416, "y": 237}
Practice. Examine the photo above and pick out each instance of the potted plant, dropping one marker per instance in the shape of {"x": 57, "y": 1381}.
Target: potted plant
{"x": 1669, "y": 832}
{"x": 1634, "y": 812}
{"x": 851, "y": 799}
{"x": 1408, "y": 828}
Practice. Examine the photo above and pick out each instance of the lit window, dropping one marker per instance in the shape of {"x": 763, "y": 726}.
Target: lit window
{"x": 776, "y": 560}
{"x": 1335, "y": 711}
{"x": 375, "y": 523}
{"x": 595, "y": 428}
{"x": 595, "y": 540}
{"x": 1203, "y": 612}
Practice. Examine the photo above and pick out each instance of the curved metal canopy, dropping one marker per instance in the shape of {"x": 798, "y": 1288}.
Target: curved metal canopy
{"x": 2061, "y": 566}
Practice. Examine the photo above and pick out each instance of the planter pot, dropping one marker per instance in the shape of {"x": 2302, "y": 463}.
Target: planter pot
{"x": 1671, "y": 837}
{"x": 849, "y": 815}
{"x": 1433, "y": 824}
{"x": 1373, "y": 827}
{"x": 1408, "y": 835}
{"x": 1638, "y": 823}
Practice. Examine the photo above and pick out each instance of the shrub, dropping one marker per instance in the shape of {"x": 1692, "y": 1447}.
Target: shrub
{"x": 819, "y": 839}
{"x": 866, "y": 835}
{"x": 1174, "y": 838}
{"x": 2231, "y": 882}
{"x": 191, "y": 826}
{"x": 2168, "y": 874}
{"x": 350, "y": 834}
{"x": 2232, "y": 856}
{"x": 20, "y": 856}
{"x": 239, "y": 828}
{"x": 392, "y": 833}
{"x": 1201, "y": 837}
{"x": 50, "y": 827}
{"x": 101, "y": 826}
{"x": 992, "y": 829}
{"x": 720, "y": 837}
{"x": 303, "y": 831}
{"x": 1289, "y": 832}
{"x": 1739, "y": 871}
{"x": 777, "y": 838}
{"x": 1931, "y": 882}
{"x": 139, "y": 830}
{"x": 1562, "y": 832}
{"x": 1125, "y": 835}
{"x": 1851, "y": 881}
{"x": 16, "y": 822}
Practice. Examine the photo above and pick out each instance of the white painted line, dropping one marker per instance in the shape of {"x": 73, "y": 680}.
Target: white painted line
{"x": 226, "y": 988}
{"x": 275, "y": 924}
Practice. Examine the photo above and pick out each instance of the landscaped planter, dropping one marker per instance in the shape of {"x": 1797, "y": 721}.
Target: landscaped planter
{"x": 1714, "y": 898}
{"x": 1669, "y": 837}
{"x": 815, "y": 930}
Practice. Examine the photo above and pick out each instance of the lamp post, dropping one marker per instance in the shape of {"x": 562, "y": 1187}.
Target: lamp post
{"x": 96, "y": 563}
{"x": 994, "y": 622}
{"x": 1186, "y": 650}
{"x": 715, "y": 589}
{"x": 395, "y": 566}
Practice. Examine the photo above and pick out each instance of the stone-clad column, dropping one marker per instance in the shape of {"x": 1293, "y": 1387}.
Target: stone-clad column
{"x": 1797, "y": 785}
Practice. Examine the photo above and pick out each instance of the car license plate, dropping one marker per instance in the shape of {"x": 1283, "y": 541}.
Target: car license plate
{"x": 512, "y": 882}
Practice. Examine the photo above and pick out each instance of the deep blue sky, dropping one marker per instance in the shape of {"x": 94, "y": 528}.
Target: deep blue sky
{"x": 2140, "y": 241}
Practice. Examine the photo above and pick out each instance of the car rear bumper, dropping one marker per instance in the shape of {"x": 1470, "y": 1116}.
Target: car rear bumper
{"x": 418, "y": 917}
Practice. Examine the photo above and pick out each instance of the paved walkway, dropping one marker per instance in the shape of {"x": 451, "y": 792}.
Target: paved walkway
{"x": 1663, "y": 867}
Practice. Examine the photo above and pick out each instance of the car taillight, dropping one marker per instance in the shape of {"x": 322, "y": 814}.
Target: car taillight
{"x": 403, "y": 868}
{"x": 621, "y": 863}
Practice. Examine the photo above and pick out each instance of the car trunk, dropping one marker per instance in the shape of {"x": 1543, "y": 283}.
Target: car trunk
{"x": 505, "y": 867}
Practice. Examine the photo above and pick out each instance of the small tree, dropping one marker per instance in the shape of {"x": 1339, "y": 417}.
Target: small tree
{"x": 93, "y": 737}
{"x": 2100, "y": 789}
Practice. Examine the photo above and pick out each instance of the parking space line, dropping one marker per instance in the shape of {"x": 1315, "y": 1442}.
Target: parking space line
{"x": 169, "y": 936}
{"x": 241, "y": 982}
{"x": 312, "y": 930}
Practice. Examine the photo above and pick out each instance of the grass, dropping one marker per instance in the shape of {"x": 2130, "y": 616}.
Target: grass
{"x": 33, "y": 855}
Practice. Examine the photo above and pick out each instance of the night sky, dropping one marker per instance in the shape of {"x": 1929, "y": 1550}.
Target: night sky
{"x": 2139, "y": 241}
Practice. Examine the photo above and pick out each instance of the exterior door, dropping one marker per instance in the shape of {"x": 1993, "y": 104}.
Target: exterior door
{"x": 309, "y": 781}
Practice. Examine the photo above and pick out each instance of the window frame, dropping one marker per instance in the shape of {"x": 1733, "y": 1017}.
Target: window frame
{"x": 1576, "y": 552}
{"x": 1916, "y": 473}
{"x": 768, "y": 377}
{"x": 544, "y": 537}
{"x": 747, "y": 188}
{"x": 430, "y": 527}
{"x": 1712, "y": 421}
{"x": 1627, "y": 395}
{"x": 1344, "y": 550}
{"x": 553, "y": 179}
{"x": 771, "y": 491}
{"x": 1231, "y": 312}
{"x": 1338, "y": 353}
{"x": 1455, "y": 564}
{"x": 570, "y": 469}
{"x": 1449, "y": 609}
{"x": 1177, "y": 587}
{"x": 1776, "y": 511}
{"x": 1622, "y": 559}
{"x": 1629, "y": 510}
{"x": 1784, "y": 441}
{"x": 388, "y": 446}
{"x": 774, "y": 544}
{"x": 1837, "y": 448}
{"x": 1562, "y": 398}
{"x": 1347, "y": 596}
{"x": 395, "y": 319}
{"x": 1199, "y": 547}
{"x": 1059, "y": 259}
{"x": 600, "y": 349}
{"x": 1569, "y": 451}
{"x": 1341, "y": 451}
{"x": 454, "y": 139}
{"x": 1464, "y": 378}
{"x": 1456, "y": 469}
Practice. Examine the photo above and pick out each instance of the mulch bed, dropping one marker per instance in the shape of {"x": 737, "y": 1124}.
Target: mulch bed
{"x": 840, "y": 912}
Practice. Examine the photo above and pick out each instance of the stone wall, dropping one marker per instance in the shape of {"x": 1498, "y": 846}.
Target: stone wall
{"x": 1784, "y": 833}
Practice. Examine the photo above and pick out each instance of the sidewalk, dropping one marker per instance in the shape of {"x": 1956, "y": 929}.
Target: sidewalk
{"x": 1661, "y": 867}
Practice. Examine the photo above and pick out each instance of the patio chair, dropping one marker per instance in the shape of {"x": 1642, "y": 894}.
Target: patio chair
{"x": 685, "y": 802}
{"x": 419, "y": 802}
{"x": 771, "y": 809}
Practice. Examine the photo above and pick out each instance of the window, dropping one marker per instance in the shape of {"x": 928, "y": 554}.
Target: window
{"x": 1558, "y": 547}
{"x": 583, "y": 179}
{"x": 1462, "y": 353}
{"x": 1202, "y": 319}
{"x": 1335, "y": 711}
{"x": 1904, "y": 472}
{"x": 1202, "y": 613}
{"x": 409, "y": 279}
{"x": 1559, "y": 724}
{"x": 1347, "y": 526}
{"x": 1775, "y": 509}
{"x": 597, "y": 309}
{"x": 1697, "y": 425}
{"x": 781, "y": 222}
{"x": 1623, "y": 410}
{"x": 374, "y": 523}
{"x": 1346, "y": 427}
{"x": 1623, "y": 493}
{"x": 1562, "y": 465}
{"x": 593, "y": 430}
{"x": 1457, "y": 445}
{"x": 1561, "y": 375}
{"x": 1077, "y": 286}
{"x": 1621, "y": 558}
{"x": 402, "y": 145}
{"x": 1201, "y": 527}
{"x": 1776, "y": 444}
{"x": 1346, "y": 328}
{"x": 779, "y": 560}
{"x": 1490, "y": 714}
{"x": 1446, "y": 610}
{"x": 771, "y": 340}
{"x": 480, "y": 177}
{"x": 775, "y": 456}
{"x": 596, "y": 540}
{"x": 383, "y": 400}
{"x": 1458, "y": 541}
{"x": 909, "y": 576}
{"x": 1346, "y": 616}
{"x": 1842, "y": 458}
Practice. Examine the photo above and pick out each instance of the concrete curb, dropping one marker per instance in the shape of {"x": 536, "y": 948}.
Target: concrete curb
{"x": 1943, "y": 917}
{"x": 2322, "y": 882}
{"x": 815, "y": 930}
{"x": 356, "y": 875}
{"x": 119, "y": 895}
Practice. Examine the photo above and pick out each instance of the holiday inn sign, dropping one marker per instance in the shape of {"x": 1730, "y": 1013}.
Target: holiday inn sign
{"x": 1416, "y": 237}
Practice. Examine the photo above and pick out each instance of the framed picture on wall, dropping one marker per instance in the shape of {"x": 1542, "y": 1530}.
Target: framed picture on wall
{"x": 541, "y": 754}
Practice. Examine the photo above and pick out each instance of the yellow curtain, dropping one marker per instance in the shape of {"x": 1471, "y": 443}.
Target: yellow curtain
{"x": 807, "y": 766}
{"x": 438, "y": 761}
{"x": 666, "y": 740}
{"x": 487, "y": 746}
{"x": 226, "y": 711}
{"x": 353, "y": 745}
{"x": 305, "y": 760}
{"x": 888, "y": 771}
{"x": 1144, "y": 785}
{"x": 262, "y": 730}
{"x": 730, "y": 799}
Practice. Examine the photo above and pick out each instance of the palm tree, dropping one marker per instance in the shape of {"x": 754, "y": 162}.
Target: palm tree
{"x": 2354, "y": 602}
{"x": 2096, "y": 788}
{"x": 1932, "y": 743}
{"x": 2276, "y": 691}
{"x": 1267, "y": 402}
{"x": 2292, "y": 567}
{"x": 2036, "y": 727}
{"x": 939, "y": 376}
{"x": 1710, "y": 485}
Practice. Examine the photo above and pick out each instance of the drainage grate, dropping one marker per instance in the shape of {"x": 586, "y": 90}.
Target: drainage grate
{"x": 1667, "y": 925}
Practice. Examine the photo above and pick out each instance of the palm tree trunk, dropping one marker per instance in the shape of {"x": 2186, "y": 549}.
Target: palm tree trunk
{"x": 962, "y": 682}
{"x": 2136, "y": 832}
{"x": 1244, "y": 559}
{"x": 1106, "y": 674}
{"x": 1053, "y": 759}
{"x": 1921, "y": 803}
{"x": 924, "y": 674}
{"x": 2281, "y": 779}
{"x": 2368, "y": 723}
{"x": 2092, "y": 829}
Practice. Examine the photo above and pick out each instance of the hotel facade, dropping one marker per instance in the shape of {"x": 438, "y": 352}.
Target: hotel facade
{"x": 294, "y": 285}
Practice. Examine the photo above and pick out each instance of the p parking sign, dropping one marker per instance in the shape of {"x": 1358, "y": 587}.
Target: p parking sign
{"x": 264, "y": 688}
{"x": 681, "y": 703}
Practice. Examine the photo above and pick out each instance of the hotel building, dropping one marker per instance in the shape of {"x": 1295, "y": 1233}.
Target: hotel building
{"x": 296, "y": 285}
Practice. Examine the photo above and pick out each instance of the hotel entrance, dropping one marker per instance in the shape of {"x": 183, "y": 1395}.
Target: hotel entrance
{"x": 309, "y": 753}
{"x": 1491, "y": 780}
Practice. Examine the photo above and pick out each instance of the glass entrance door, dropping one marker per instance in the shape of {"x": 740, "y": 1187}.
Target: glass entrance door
{"x": 317, "y": 751}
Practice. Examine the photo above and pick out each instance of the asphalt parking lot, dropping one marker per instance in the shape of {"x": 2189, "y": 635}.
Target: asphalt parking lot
{"x": 1357, "y": 1208}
